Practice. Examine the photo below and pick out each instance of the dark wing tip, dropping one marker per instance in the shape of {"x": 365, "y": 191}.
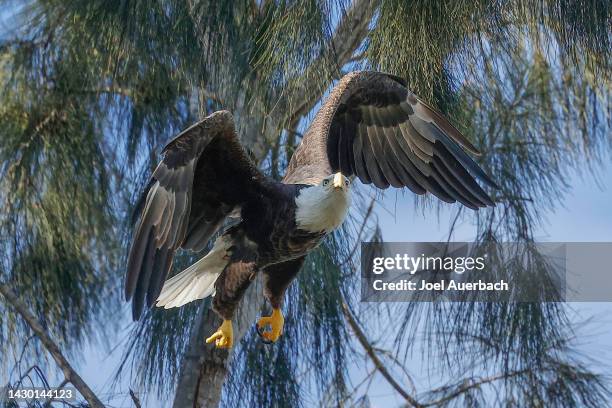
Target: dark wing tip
{"x": 440, "y": 120}
{"x": 139, "y": 206}
{"x": 221, "y": 120}
{"x": 447, "y": 127}
{"x": 137, "y": 308}
{"x": 490, "y": 182}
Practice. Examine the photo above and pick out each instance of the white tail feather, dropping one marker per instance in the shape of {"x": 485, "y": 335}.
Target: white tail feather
{"x": 197, "y": 281}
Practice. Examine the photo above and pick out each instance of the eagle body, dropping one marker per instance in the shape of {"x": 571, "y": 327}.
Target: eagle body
{"x": 283, "y": 224}
{"x": 271, "y": 223}
{"x": 371, "y": 127}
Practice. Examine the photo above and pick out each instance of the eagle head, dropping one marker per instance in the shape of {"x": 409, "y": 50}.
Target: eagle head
{"x": 323, "y": 207}
{"x": 336, "y": 182}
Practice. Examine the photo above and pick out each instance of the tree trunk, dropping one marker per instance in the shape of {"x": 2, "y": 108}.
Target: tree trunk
{"x": 200, "y": 360}
{"x": 204, "y": 368}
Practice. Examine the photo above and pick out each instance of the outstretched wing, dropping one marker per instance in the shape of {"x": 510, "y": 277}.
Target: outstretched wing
{"x": 373, "y": 127}
{"x": 205, "y": 175}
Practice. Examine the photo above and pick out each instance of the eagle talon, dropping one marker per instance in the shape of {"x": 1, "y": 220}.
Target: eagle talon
{"x": 224, "y": 337}
{"x": 260, "y": 333}
{"x": 276, "y": 322}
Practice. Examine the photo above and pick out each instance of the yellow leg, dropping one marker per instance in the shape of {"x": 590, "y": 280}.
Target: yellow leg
{"x": 276, "y": 322}
{"x": 224, "y": 337}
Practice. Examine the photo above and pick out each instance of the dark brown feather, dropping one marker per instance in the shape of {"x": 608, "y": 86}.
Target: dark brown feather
{"x": 203, "y": 176}
{"x": 389, "y": 137}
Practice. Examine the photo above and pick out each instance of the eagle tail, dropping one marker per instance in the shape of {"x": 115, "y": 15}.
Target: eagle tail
{"x": 197, "y": 281}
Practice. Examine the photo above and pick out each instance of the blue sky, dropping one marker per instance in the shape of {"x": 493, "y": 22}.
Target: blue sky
{"x": 583, "y": 216}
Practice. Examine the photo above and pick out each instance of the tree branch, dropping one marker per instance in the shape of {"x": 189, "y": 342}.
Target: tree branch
{"x": 358, "y": 238}
{"x": 301, "y": 93}
{"x": 135, "y": 399}
{"x": 69, "y": 372}
{"x": 372, "y": 354}
{"x": 301, "y": 96}
{"x": 203, "y": 369}
{"x": 474, "y": 384}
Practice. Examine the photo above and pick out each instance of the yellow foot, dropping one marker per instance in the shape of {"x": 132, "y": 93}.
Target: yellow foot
{"x": 276, "y": 322}
{"x": 224, "y": 337}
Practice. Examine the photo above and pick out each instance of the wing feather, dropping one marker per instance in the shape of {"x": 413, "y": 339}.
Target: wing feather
{"x": 203, "y": 176}
{"x": 449, "y": 188}
{"x": 360, "y": 164}
{"x": 371, "y": 163}
{"x": 345, "y": 150}
{"x": 463, "y": 194}
{"x": 462, "y": 176}
{"x": 373, "y": 127}
{"x": 381, "y": 151}
{"x": 398, "y": 163}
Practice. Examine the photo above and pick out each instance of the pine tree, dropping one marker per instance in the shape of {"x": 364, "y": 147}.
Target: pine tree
{"x": 91, "y": 90}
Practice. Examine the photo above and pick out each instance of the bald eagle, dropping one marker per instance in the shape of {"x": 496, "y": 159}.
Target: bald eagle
{"x": 370, "y": 127}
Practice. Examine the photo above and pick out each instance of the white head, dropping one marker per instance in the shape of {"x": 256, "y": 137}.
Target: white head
{"x": 323, "y": 207}
{"x": 336, "y": 182}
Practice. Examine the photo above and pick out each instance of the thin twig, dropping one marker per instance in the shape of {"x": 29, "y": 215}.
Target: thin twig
{"x": 135, "y": 399}
{"x": 53, "y": 349}
{"x": 363, "y": 224}
{"x": 372, "y": 354}
{"x": 474, "y": 384}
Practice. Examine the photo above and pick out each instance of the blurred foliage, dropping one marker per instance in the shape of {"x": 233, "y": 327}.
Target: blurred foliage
{"x": 91, "y": 90}
{"x": 55, "y": 222}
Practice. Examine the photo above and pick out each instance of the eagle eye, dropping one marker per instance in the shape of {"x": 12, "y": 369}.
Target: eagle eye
{"x": 325, "y": 182}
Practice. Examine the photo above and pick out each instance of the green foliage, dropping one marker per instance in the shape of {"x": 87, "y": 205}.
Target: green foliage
{"x": 539, "y": 127}
{"x": 531, "y": 102}
{"x": 435, "y": 44}
{"x": 157, "y": 343}
{"x": 56, "y": 222}
{"x": 92, "y": 89}
{"x": 156, "y": 346}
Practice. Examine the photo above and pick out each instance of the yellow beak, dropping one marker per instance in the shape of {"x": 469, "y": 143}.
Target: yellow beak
{"x": 338, "y": 180}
